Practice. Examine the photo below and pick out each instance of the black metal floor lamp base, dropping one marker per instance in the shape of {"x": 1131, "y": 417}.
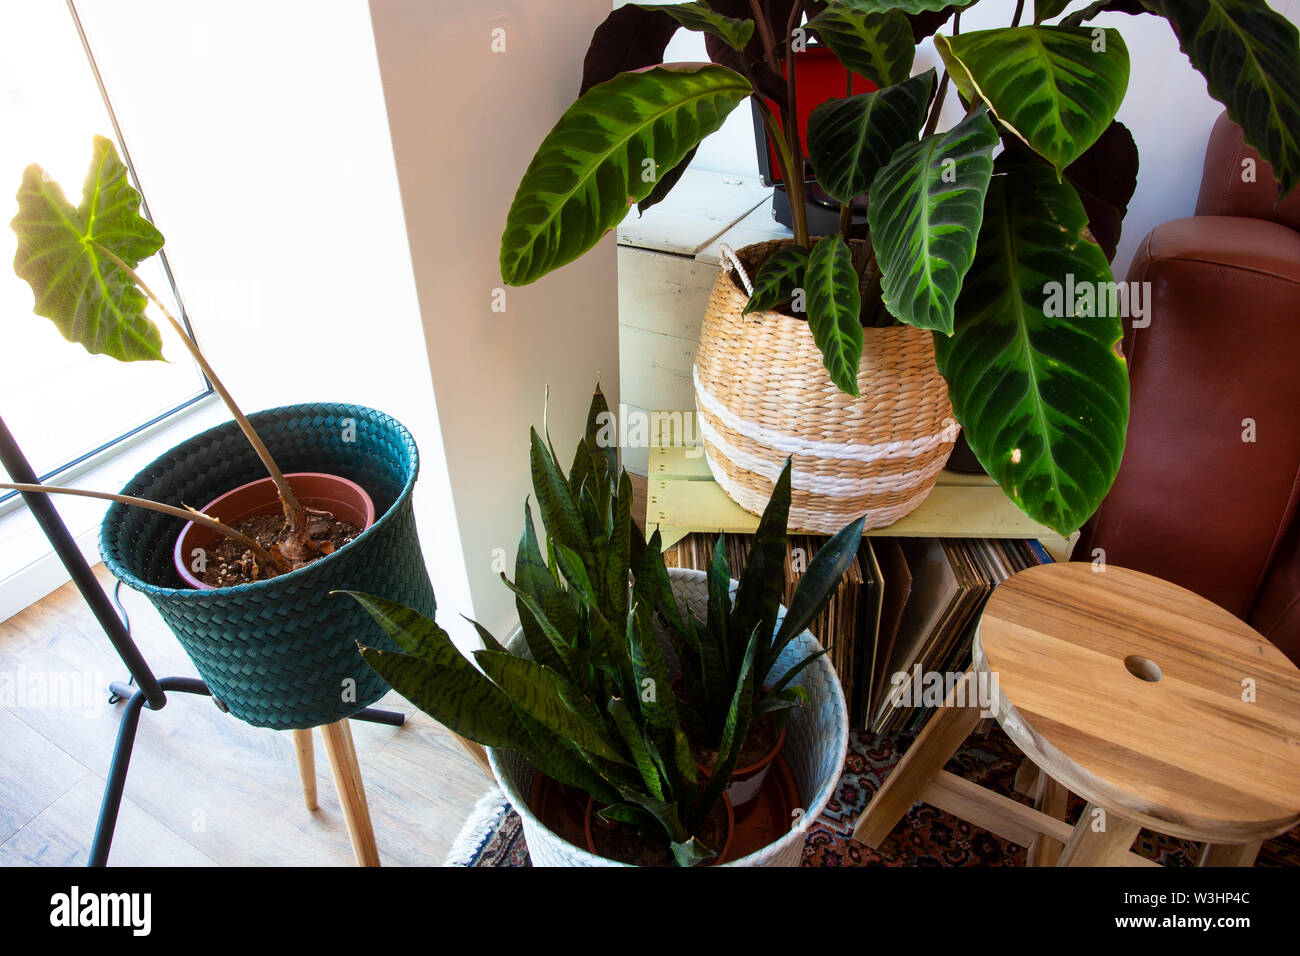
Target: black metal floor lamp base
{"x": 147, "y": 690}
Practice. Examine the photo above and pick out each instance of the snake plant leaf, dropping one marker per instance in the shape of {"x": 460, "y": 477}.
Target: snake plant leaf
{"x": 1250, "y": 58}
{"x": 719, "y": 605}
{"x": 601, "y": 438}
{"x": 1056, "y": 88}
{"x": 736, "y": 729}
{"x": 1039, "y": 389}
{"x": 545, "y": 696}
{"x": 414, "y": 633}
{"x": 606, "y": 152}
{"x": 762, "y": 580}
{"x": 878, "y": 46}
{"x": 618, "y": 559}
{"x": 835, "y": 309}
{"x": 925, "y": 213}
{"x": 1046, "y": 9}
{"x": 782, "y": 687}
{"x": 1131, "y": 7}
{"x": 556, "y": 650}
{"x": 778, "y": 278}
{"x": 561, "y": 760}
{"x": 545, "y": 610}
{"x": 636, "y": 745}
{"x": 560, "y": 515}
{"x": 60, "y": 253}
{"x": 656, "y": 701}
{"x": 702, "y": 18}
{"x": 851, "y": 138}
{"x": 818, "y": 582}
{"x": 487, "y": 637}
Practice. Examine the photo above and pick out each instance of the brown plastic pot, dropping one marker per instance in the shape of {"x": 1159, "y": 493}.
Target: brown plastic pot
{"x": 722, "y": 853}
{"x": 344, "y": 499}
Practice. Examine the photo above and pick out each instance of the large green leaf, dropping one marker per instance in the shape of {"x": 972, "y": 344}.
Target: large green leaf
{"x": 851, "y": 138}
{"x": 878, "y": 46}
{"x": 907, "y": 6}
{"x": 834, "y": 310}
{"x": 925, "y": 215}
{"x": 778, "y": 278}
{"x": 1056, "y": 88}
{"x": 1042, "y": 396}
{"x": 1131, "y": 7}
{"x": 1250, "y": 57}
{"x": 606, "y": 152}
{"x": 1046, "y": 9}
{"x": 548, "y": 698}
{"x": 702, "y": 18}
{"x": 60, "y": 253}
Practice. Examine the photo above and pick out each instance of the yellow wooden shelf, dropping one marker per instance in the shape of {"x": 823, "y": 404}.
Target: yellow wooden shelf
{"x": 682, "y": 497}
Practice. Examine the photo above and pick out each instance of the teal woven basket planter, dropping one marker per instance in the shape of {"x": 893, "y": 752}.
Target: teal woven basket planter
{"x": 281, "y": 653}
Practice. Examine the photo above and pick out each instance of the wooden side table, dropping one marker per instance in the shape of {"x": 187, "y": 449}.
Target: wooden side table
{"x": 1159, "y": 708}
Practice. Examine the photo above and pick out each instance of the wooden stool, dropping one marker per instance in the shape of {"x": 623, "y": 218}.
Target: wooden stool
{"x": 1159, "y": 708}
{"x": 347, "y": 778}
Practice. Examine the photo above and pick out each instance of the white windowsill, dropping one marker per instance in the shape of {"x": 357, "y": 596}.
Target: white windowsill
{"x": 29, "y": 569}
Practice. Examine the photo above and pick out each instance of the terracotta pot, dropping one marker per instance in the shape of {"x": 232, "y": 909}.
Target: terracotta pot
{"x": 344, "y": 499}
{"x": 746, "y": 782}
{"x": 722, "y": 853}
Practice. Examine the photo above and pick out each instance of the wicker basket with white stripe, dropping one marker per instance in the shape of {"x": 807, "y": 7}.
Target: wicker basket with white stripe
{"x": 762, "y": 394}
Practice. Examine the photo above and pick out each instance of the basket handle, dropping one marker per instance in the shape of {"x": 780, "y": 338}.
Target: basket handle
{"x": 731, "y": 261}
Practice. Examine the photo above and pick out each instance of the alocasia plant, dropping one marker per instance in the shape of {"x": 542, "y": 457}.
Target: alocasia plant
{"x": 956, "y": 243}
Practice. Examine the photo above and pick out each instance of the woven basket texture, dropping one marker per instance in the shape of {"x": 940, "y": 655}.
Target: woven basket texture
{"x": 817, "y": 739}
{"x": 281, "y": 653}
{"x": 763, "y": 394}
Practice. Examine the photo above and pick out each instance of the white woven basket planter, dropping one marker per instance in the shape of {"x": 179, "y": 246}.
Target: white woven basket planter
{"x": 762, "y": 394}
{"x": 817, "y": 739}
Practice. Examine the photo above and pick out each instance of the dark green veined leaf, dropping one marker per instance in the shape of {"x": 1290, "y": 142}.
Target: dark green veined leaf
{"x": 61, "y": 255}
{"x": 1057, "y": 88}
{"x": 925, "y": 215}
{"x": 1131, "y": 7}
{"x": 560, "y": 760}
{"x": 652, "y": 584}
{"x": 487, "y": 637}
{"x": 558, "y": 650}
{"x": 1250, "y": 58}
{"x": 535, "y": 584}
{"x": 762, "y": 581}
{"x": 618, "y": 561}
{"x": 630, "y": 38}
{"x": 925, "y": 24}
{"x": 906, "y": 6}
{"x": 778, "y": 278}
{"x": 1040, "y": 392}
{"x": 413, "y": 632}
{"x": 665, "y": 183}
{"x": 560, "y": 515}
{"x": 636, "y": 745}
{"x": 650, "y": 668}
{"x": 542, "y": 694}
{"x": 782, "y": 686}
{"x": 593, "y": 163}
{"x": 629, "y": 815}
{"x": 777, "y": 12}
{"x": 835, "y": 309}
{"x": 851, "y": 138}
{"x": 818, "y": 583}
{"x": 702, "y": 18}
{"x": 601, "y": 436}
{"x": 461, "y": 699}
{"x": 719, "y": 606}
{"x": 1046, "y": 9}
{"x": 878, "y": 46}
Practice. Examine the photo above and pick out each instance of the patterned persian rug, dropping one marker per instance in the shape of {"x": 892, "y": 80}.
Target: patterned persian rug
{"x": 493, "y": 836}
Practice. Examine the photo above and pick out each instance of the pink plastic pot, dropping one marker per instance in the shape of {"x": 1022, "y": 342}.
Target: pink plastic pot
{"x": 344, "y": 499}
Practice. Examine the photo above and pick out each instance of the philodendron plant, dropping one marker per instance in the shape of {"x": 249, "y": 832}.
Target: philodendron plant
{"x": 80, "y": 262}
{"x": 591, "y": 704}
{"x": 958, "y": 243}
{"x": 714, "y": 651}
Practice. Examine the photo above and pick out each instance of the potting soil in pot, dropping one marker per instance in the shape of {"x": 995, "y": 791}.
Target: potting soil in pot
{"x": 230, "y": 563}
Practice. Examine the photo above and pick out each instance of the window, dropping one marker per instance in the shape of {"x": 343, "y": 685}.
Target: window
{"x": 63, "y": 405}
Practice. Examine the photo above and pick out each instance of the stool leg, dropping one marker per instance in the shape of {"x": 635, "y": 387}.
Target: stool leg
{"x": 1108, "y": 847}
{"x": 1229, "y": 854}
{"x": 352, "y": 794}
{"x": 306, "y": 765}
{"x": 948, "y": 728}
{"x": 1050, "y": 799}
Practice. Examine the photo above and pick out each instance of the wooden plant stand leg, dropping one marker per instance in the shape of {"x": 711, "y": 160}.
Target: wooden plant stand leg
{"x": 1108, "y": 847}
{"x": 352, "y": 794}
{"x": 1229, "y": 854}
{"x": 477, "y": 751}
{"x": 1051, "y": 799}
{"x": 938, "y": 741}
{"x": 306, "y": 765}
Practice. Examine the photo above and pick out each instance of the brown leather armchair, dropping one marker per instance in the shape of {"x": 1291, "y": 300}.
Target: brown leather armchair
{"x": 1208, "y": 489}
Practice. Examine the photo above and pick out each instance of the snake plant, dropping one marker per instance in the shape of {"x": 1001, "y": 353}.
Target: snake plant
{"x": 591, "y": 703}
{"x": 956, "y": 242}
{"x": 715, "y": 651}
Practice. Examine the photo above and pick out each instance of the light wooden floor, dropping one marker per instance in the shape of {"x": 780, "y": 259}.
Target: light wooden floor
{"x": 204, "y": 788}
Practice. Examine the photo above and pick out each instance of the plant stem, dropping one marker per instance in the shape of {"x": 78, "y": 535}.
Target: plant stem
{"x": 1020, "y": 8}
{"x": 846, "y": 219}
{"x": 794, "y": 184}
{"x": 198, "y": 517}
{"x": 293, "y": 511}
{"x": 937, "y": 108}
{"x": 764, "y": 27}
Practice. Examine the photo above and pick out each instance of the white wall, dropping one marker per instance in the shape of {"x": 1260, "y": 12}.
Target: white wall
{"x": 465, "y": 122}
{"x": 260, "y": 137}
{"x": 1167, "y": 108}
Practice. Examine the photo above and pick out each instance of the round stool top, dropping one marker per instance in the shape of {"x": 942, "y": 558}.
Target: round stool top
{"x": 1146, "y": 700}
